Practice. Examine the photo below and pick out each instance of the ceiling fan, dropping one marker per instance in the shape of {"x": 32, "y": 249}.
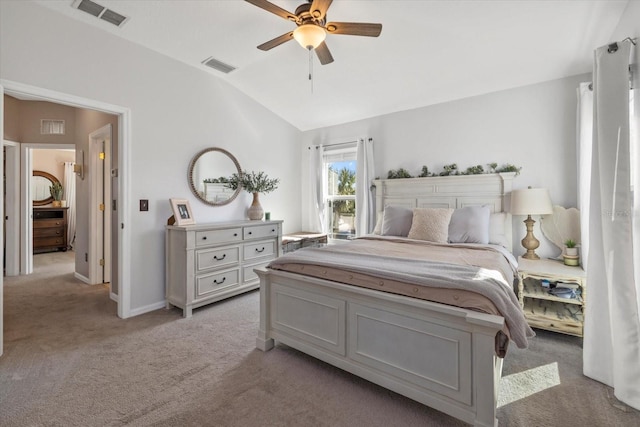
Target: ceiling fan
{"x": 311, "y": 19}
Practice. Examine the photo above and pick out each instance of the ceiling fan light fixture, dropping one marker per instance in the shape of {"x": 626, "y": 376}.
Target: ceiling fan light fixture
{"x": 309, "y": 35}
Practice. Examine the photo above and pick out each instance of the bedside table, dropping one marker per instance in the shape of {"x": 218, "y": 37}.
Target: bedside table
{"x": 544, "y": 310}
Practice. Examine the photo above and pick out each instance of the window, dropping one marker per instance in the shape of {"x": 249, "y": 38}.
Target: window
{"x": 340, "y": 189}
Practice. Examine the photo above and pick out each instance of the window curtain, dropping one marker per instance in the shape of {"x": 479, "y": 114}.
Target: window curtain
{"x": 317, "y": 220}
{"x": 365, "y": 173}
{"x": 585, "y": 142}
{"x": 612, "y": 325}
{"x": 70, "y": 197}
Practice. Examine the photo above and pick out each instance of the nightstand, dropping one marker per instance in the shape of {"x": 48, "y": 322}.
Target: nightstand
{"x": 544, "y": 310}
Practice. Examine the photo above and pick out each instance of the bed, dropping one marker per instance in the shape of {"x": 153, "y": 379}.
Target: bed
{"x": 444, "y": 356}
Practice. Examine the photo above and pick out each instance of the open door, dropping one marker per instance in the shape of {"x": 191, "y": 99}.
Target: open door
{"x": 100, "y": 206}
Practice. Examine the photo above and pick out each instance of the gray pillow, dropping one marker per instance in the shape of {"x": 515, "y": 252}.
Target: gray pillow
{"x": 396, "y": 221}
{"x": 470, "y": 225}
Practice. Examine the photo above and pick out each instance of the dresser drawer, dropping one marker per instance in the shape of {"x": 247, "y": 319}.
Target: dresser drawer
{"x": 216, "y": 258}
{"x": 48, "y": 223}
{"x": 216, "y": 282}
{"x": 48, "y": 241}
{"x": 260, "y": 249}
{"x": 204, "y": 238}
{"x": 49, "y": 232}
{"x": 260, "y": 231}
{"x": 248, "y": 275}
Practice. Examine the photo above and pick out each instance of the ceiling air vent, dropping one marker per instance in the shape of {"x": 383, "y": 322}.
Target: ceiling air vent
{"x": 99, "y": 11}
{"x": 218, "y": 65}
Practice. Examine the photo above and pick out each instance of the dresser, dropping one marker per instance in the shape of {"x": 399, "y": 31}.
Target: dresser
{"x": 49, "y": 229}
{"x": 206, "y": 263}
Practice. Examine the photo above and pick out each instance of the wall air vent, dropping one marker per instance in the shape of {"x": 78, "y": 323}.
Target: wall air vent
{"x": 51, "y": 127}
{"x": 99, "y": 11}
{"x": 218, "y": 65}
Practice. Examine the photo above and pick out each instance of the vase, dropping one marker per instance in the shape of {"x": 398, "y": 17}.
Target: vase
{"x": 571, "y": 251}
{"x": 56, "y": 203}
{"x": 255, "y": 210}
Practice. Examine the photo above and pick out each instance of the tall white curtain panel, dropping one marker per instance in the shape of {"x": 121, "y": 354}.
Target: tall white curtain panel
{"x": 70, "y": 197}
{"x": 317, "y": 219}
{"x": 585, "y": 143}
{"x": 365, "y": 173}
{"x": 612, "y": 322}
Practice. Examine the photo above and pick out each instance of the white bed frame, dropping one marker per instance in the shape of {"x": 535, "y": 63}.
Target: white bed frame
{"x": 439, "y": 355}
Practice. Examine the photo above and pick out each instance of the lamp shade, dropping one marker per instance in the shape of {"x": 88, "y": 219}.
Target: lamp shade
{"x": 309, "y": 35}
{"x": 531, "y": 201}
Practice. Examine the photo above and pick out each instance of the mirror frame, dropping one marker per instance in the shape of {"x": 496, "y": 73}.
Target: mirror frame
{"x": 53, "y": 180}
{"x": 194, "y": 190}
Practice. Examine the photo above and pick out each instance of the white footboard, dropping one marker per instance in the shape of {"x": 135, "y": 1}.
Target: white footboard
{"x": 441, "y": 356}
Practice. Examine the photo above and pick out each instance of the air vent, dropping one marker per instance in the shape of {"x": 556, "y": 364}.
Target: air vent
{"x": 51, "y": 127}
{"x": 99, "y": 11}
{"x": 218, "y": 65}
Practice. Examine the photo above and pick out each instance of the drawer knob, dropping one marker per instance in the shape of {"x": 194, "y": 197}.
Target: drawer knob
{"x": 273, "y": 230}
{"x": 204, "y": 238}
{"x": 251, "y": 232}
{"x": 220, "y": 282}
{"x": 219, "y": 259}
{"x": 260, "y": 250}
{"x": 235, "y": 234}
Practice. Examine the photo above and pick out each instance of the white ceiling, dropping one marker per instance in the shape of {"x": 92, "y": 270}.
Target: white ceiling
{"x": 429, "y": 51}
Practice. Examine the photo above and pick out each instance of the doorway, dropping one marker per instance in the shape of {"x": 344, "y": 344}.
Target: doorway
{"x": 122, "y": 246}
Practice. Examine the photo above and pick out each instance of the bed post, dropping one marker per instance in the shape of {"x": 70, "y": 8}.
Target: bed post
{"x": 264, "y": 342}
{"x": 486, "y": 378}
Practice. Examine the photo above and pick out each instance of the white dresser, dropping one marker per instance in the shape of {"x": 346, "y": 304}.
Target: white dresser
{"x": 210, "y": 262}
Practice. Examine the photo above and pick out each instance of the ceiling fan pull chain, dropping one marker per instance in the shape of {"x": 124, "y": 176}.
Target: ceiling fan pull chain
{"x": 311, "y": 67}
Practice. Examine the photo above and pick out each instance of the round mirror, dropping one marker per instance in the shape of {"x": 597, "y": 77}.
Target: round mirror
{"x": 209, "y": 172}
{"x": 40, "y": 183}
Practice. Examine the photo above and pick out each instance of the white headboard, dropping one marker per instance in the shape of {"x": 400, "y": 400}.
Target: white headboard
{"x": 455, "y": 191}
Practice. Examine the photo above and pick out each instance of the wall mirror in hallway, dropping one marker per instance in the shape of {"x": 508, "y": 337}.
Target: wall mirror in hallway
{"x": 40, "y": 183}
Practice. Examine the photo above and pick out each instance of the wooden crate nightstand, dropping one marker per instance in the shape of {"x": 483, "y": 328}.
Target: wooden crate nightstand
{"x": 544, "y": 310}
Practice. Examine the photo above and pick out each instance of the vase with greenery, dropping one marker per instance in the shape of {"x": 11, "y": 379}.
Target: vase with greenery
{"x": 254, "y": 183}
{"x": 56, "y": 191}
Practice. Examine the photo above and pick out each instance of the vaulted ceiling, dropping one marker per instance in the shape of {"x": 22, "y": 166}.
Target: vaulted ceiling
{"x": 429, "y": 51}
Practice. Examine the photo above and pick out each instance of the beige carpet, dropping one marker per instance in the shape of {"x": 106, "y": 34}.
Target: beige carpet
{"x": 69, "y": 361}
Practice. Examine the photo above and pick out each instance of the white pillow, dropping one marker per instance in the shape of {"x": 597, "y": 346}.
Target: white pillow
{"x": 470, "y": 225}
{"x": 430, "y": 224}
{"x": 497, "y": 229}
{"x": 396, "y": 221}
{"x": 378, "y": 228}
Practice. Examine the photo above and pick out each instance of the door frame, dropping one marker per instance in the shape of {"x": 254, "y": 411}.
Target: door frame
{"x": 12, "y": 204}
{"x": 124, "y": 174}
{"x": 26, "y": 209}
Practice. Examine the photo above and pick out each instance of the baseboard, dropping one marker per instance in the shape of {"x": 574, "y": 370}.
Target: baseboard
{"x": 147, "y": 308}
{"x": 81, "y": 277}
{"x": 114, "y": 297}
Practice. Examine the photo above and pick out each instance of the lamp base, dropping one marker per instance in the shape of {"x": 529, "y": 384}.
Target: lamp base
{"x": 530, "y": 243}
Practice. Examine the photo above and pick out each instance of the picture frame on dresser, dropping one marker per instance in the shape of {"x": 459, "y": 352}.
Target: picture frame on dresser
{"x": 182, "y": 212}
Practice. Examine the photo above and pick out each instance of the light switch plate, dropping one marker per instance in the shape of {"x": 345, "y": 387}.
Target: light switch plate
{"x": 144, "y": 205}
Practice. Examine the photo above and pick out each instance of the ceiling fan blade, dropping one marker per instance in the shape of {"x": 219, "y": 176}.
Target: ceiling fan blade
{"x": 277, "y": 41}
{"x": 277, "y": 10}
{"x": 319, "y": 8}
{"x": 324, "y": 55}
{"x": 354, "y": 28}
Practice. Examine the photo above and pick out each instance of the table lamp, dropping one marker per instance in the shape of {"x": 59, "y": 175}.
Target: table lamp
{"x": 530, "y": 201}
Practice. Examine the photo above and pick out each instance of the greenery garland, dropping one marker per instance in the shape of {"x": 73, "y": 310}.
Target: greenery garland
{"x": 452, "y": 170}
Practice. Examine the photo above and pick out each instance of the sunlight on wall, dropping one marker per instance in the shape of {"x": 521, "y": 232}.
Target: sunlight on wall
{"x": 518, "y": 386}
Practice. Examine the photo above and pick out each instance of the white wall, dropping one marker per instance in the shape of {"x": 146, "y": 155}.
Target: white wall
{"x": 176, "y": 111}
{"x": 532, "y": 127}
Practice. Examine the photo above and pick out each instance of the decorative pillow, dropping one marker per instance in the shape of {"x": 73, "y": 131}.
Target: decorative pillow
{"x": 497, "y": 229}
{"x": 396, "y": 221}
{"x": 378, "y": 228}
{"x": 431, "y": 224}
{"x": 470, "y": 225}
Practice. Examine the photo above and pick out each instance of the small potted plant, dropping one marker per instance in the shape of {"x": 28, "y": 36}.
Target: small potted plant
{"x": 254, "y": 183}
{"x": 570, "y": 255}
{"x": 56, "y": 191}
